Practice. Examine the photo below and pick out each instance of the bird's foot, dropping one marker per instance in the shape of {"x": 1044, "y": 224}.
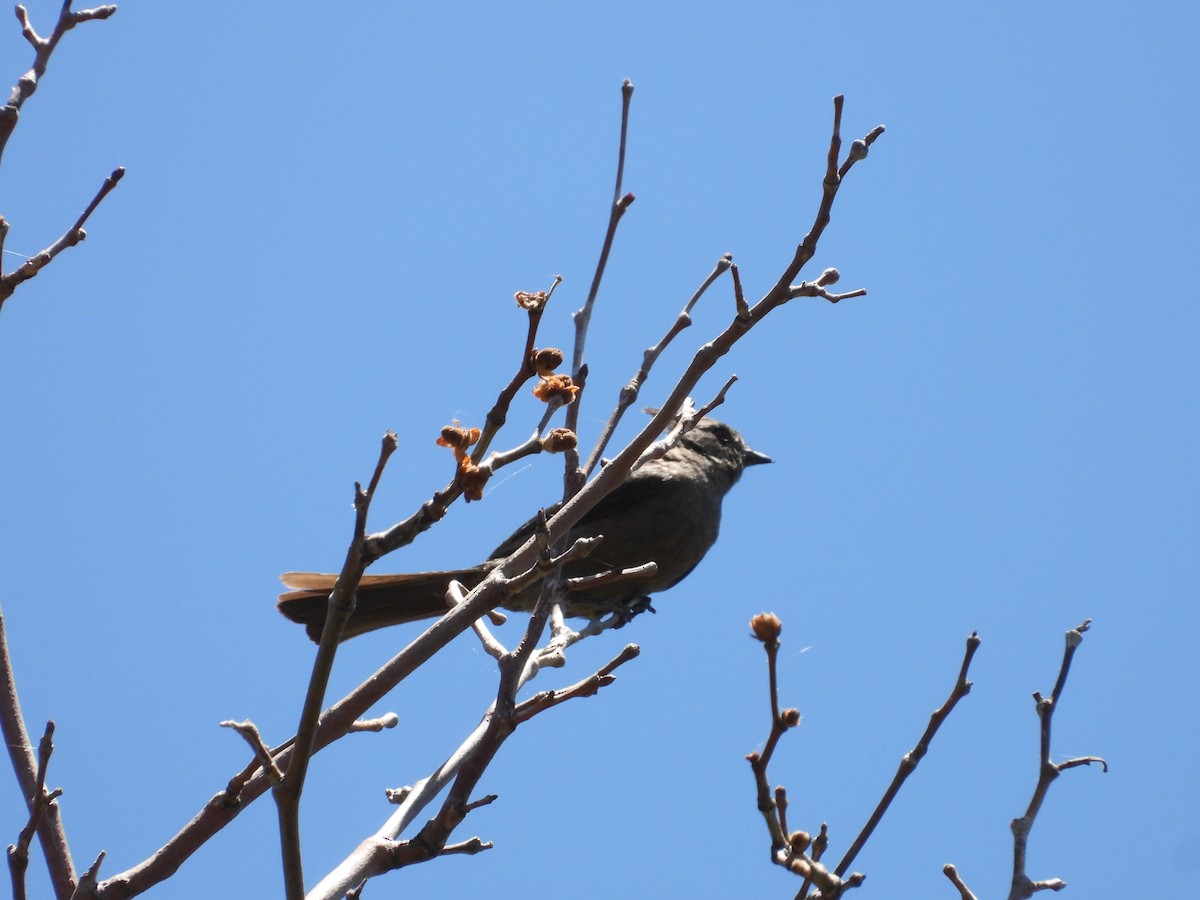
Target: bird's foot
{"x": 624, "y": 613}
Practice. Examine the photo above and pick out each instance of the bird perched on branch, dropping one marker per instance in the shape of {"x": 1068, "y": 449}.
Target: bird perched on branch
{"x": 667, "y": 512}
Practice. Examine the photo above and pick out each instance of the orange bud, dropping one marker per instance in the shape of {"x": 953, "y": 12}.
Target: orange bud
{"x": 471, "y": 479}
{"x": 766, "y": 627}
{"x": 458, "y": 439}
{"x": 552, "y": 386}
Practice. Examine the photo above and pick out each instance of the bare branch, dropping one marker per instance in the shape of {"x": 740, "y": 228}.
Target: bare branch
{"x": 434, "y": 510}
{"x": 25, "y": 87}
{"x": 471, "y": 847}
{"x": 30, "y": 772}
{"x": 963, "y": 891}
{"x": 908, "y": 763}
{"x": 535, "y": 305}
{"x": 341, "y": 607}
{"x": 629, "y": 393}
{"x": 789, "y": 850}
{"x": 42, "y": 49}
{"x": 833, "y": 181}
{"x": 610, "y": 576}
{"x": 739, "y": 298}
{"x": 587, "y": 687}
{"x": 71, "y": 237}
{"x": 1048, "y": 771}
{"x": 87, "y": 881}
{"x": 249, "y": 731}
{"x": 387, "y": 720}
{"x": 18, "y": 853}
{"x": 620, "y": 203}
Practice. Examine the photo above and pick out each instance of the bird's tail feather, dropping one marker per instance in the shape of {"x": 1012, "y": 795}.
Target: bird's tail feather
{"x": 383, "y": 600}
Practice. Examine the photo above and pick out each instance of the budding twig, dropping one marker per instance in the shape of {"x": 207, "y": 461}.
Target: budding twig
{"x": 69, "y": 238}
{"x": 629, "y": 393}
{"x": 1048, "y": 771}
{"x": 908, "y": 763}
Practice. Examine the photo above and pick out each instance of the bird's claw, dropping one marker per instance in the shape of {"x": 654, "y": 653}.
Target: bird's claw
{"x": 626, "y": 612}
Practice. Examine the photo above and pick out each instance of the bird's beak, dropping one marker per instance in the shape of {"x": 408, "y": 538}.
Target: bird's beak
{"x": 754, "y": 458}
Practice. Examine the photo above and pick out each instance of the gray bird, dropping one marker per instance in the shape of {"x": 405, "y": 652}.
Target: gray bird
{"x": 667, "y": 512}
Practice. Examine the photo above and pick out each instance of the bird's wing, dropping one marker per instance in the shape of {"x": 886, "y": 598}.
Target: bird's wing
{"x": 623, "y": 499}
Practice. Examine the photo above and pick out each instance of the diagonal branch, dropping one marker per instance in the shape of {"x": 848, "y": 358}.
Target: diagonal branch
{"x": 434, "y": 509}
{"x": 51, "y": 835}
{"x": 629, "y": 393}
{"x": 833, "y": 180}
{"x": 18, "y": 853}
{"x": 69, "y": 238}
{"x": 908, "y": 763}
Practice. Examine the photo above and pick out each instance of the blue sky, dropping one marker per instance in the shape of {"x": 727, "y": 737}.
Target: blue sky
{"x": 325, "y": 216}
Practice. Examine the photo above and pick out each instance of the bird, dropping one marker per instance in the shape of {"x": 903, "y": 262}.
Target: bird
{"x": 668, "y": 512}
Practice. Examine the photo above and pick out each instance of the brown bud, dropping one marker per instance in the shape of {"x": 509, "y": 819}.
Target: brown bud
{"x": 766, "y": 627}
{"x": 457, "y": 436}
{"x": 799, "y": 841}
{"x": 560, "y": 439}
{"x": 546, "y": 360}
{"x": 790, "y": 717}
{"x": 552, "y": 386}
{"x": 458, "y": 439}
{"x": 471, "y": 479}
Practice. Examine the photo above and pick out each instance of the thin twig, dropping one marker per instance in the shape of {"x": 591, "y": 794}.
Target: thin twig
{"x": 25, "y": 87}
{"x": 789, "y": 850}
{"x": 833, "y": 180}
{"x": 69, "y": 238}
{"x": 341, "y": 607}
{"x": 739, "y": 297}
{"x": 469, "y": 847}
{"x": 629, "y": 393}
{"x": 86, "y": 888}
{"x": 586, "y": 687}
{"x": 382, "y": 852}
{"x": 380, "y": 723}
{"x": 908, "y": 763}
{"x": 1048, "y": 771}
{"x": 574, "y": 476}
{"x": 249, "y": 732}
{"x": 28, "y": 770}
{"x": 42, "y": 49}
{"x": 18, "y": 853}
{"x": 964, "y": 892}
{"x": 535, "y": 305}
{"x": 434, "y": 509}
{"x": 620, "y": 203}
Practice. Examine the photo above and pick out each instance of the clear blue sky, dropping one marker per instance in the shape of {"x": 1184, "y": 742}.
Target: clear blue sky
{"x": 326, "y": 213}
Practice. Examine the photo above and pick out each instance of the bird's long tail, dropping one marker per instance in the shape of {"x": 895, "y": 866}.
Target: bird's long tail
{"x": 383, "y": 600}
